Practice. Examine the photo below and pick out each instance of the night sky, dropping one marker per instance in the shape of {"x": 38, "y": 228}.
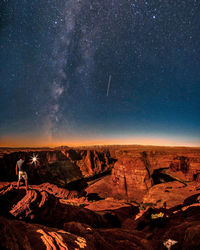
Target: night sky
{"x": 57, "y": 57}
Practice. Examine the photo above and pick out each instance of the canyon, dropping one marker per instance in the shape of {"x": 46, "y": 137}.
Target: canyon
{"x": 116, "y": 197}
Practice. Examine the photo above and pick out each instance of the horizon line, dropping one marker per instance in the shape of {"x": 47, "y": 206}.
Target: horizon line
{"x": 97, "y": 145}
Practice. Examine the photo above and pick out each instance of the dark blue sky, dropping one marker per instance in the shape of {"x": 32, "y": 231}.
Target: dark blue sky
{"x": 56, "y": 58}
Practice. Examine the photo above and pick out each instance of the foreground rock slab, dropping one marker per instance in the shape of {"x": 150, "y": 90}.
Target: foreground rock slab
{"x": 40, "y": 206}
{"x": 20, "y": 235}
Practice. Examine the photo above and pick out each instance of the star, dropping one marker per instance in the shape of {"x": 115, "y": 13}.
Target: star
{"x": 58, "y": 55}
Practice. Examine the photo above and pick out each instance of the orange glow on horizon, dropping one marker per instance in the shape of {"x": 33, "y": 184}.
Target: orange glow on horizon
{"x": 35, "y": 142}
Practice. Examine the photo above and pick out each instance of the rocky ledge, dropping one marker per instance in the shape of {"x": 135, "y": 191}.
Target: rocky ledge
{"x": 43, "y": 217}
{"x": 111, "y": 198}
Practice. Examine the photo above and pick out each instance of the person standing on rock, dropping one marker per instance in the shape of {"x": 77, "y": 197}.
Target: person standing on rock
{"x": 21, "y": 171}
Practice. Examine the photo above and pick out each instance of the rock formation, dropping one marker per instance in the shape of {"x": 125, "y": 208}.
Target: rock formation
{"x": 57, "y": 167}
{"x": 112, "y": 198}
{"x": 40, "y": 206}
{"x": 135, "y": 175}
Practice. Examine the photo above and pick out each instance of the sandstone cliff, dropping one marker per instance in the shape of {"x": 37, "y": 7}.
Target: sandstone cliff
{"x": 57, "y": 167}
{"x": 119, "y": 198}
{"x": 136, "y": 172}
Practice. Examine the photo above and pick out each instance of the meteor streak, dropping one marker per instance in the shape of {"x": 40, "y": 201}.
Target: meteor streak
{"x": 110, "y": 77}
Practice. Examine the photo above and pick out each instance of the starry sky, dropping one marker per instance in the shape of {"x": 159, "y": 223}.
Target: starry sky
{"x": 78, "y": 72}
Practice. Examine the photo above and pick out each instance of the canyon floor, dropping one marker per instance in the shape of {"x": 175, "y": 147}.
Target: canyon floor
{"x": 111, "y": 197}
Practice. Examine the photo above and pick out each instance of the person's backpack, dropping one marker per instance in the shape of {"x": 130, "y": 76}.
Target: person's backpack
{"x": 24, "y": 166}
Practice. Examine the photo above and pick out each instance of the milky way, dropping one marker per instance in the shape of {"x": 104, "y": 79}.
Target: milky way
{"x": 56, "y": 58}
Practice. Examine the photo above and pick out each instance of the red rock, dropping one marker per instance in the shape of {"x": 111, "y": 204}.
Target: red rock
{"x": 103, "y": 187}
{"x": 173, "y": 193}
{"x": 182, "y": 227}
{"x": 111, "y": 238}
{"x": 121, "y": 209}
{"x": 130, "y": 180}
{"x": 198, "y": 177}
{"x": 134, "y": 175}
{"x": 91, "y": 162}
{"x": 55, "y": 190}
{"x": 20, "y": 235}
{"x": 126, "y": 239}
{"x": 153, "y": 176}
{"x": 191, "y": 238}
{"x": 43, "y": 207}
{"x": 57, "y": 167}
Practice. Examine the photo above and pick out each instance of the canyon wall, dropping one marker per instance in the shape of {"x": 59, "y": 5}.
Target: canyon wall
{"x": 132, "y": 198}
{"x": 57, "y": 167}
{"x": 136, "y": 171}
{"x": 123, "y": 173}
